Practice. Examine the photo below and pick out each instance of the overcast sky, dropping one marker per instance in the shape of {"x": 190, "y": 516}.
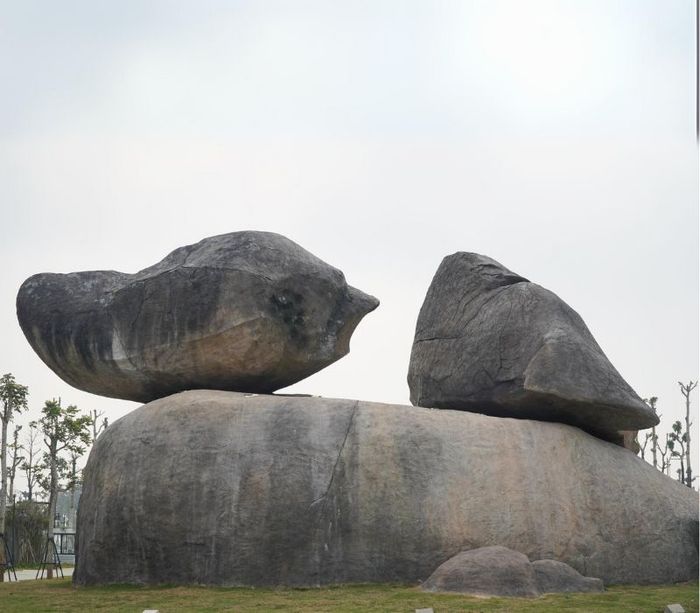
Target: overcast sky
{"x": 554, "y": 136}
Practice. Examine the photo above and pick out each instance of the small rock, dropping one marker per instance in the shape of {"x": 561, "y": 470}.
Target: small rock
{"x": 246, "y": 311}
{"x": 674, "y": 608}
{"x": 430, "y": 610}
{"x": 555, "y": 577}
{"x": 487, "y": 571}
{"x": 489, "y": 340}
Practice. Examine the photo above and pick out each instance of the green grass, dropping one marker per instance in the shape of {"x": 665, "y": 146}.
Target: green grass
{"x": 59, "y": 595}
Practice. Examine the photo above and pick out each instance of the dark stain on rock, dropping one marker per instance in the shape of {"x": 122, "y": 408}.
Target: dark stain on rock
{"x": 288, "y": 304}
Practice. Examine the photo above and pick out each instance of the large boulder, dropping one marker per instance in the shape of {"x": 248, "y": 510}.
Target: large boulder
{"x": 488, "y": 340}
{"x": 486, "y": 571}
{"x": 232, "y": 489}
{"x": 247, "y": 311}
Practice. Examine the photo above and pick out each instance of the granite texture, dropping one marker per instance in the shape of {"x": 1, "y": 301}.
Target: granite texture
{"x": 225, "y": 488}
{"x": 246, "y": 311}
{"x": 490, "y": 341}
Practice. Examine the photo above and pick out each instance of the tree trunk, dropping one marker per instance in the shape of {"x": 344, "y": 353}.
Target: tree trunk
{"x": 53, "y": 495}
{"x": 30, "y": 475}
{"x": 689, "y": 472}
{"x": 13, "y": 469}
{"x": 28, "y": 467}
{"x": 653, "y": 448}
{"x": 3, "y": 483}
{"x": 72, "y": 491}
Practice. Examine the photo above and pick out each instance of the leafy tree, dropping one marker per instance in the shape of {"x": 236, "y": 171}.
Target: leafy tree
{"x": 13, "y": 397}
{"x": 29, "y": 522}
{"x": 686, "y": 390}
{"x": 64, "y": 430}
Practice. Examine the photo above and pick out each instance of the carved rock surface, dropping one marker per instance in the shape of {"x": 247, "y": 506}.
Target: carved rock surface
{"x": 246, "y": 311}
{"x": 231, "y": 489}
{"x": 488, "y": 340}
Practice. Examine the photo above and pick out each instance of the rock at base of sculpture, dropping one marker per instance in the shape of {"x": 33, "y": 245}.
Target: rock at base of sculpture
{"x": 490, "y": 341}
{"x": 246, "y": 311}
{"x": 487, "y": 571}
{"x": 554, "y": 577}
{"x": 499, "y": 571}
{"x": 221, "y": 488}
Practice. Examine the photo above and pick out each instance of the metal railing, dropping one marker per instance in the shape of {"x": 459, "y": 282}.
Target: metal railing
{"x": 65, "y": 543}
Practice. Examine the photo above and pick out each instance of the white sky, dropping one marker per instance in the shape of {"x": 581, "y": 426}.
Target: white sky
{"x": 554, "y": 136}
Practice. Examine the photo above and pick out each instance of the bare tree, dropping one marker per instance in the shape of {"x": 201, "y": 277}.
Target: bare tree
{"x": 15, "y": 461}
{"x": 98, "y": 426}
{"x": 678, "y": 437}
{"x": 654, "y": 439}
{"x": 686, "y": 390}
{"x": 13, "y": 397}
{"x": 29, "y": 466}
{"x": 642, "y": 446}
{"x": 666, "y": 453}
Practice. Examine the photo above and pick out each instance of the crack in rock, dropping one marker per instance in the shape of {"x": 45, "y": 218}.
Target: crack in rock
{"x": 337, "y": 460}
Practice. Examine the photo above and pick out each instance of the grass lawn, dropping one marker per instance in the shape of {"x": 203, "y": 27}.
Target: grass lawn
{"x": 59, "y": 595}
